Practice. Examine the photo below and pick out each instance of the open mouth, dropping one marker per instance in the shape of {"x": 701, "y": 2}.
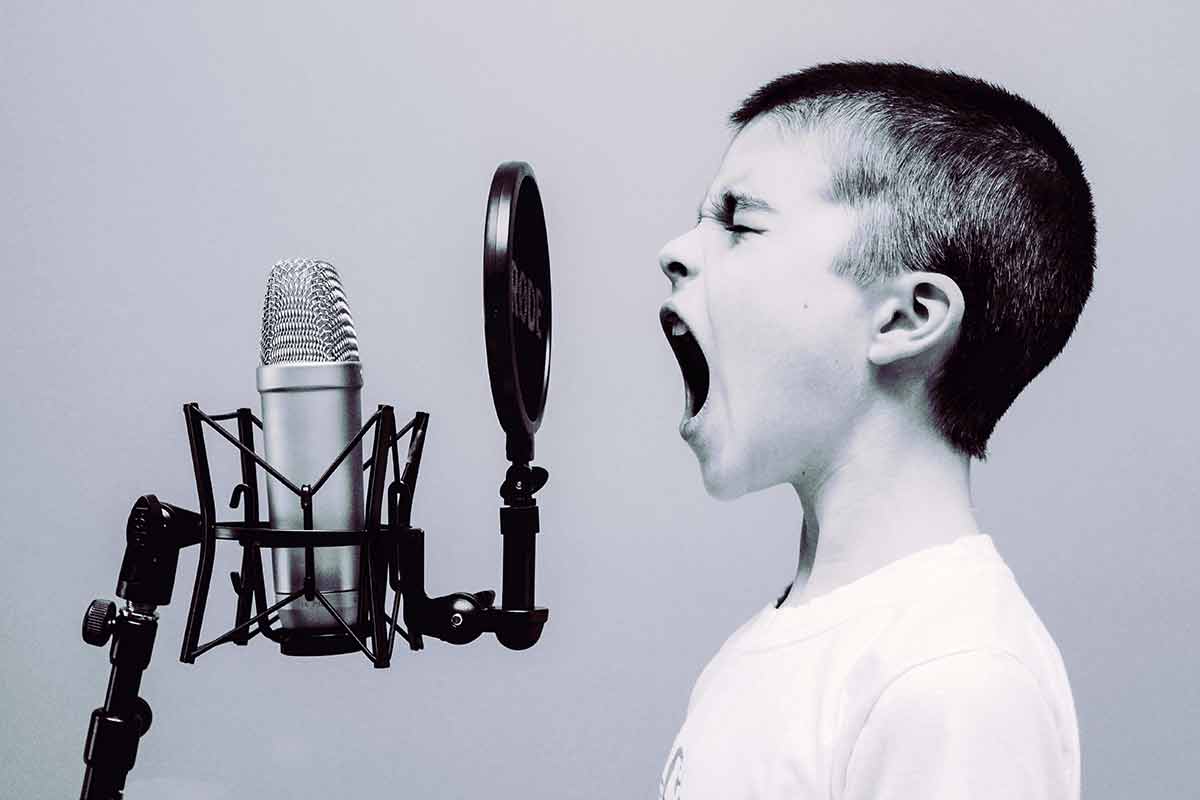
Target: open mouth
{"x": 690, "y": 357}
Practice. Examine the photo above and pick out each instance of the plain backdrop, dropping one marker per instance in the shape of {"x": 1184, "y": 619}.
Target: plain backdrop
{"x": 157, "y": 158}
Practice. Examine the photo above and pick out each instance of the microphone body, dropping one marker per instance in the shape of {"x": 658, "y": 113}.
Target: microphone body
{"x": 310, "y": 380}
{"x": 310, "y": 413}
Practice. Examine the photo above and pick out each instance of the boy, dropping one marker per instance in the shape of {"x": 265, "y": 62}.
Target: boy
{"x": 886, "y": 257}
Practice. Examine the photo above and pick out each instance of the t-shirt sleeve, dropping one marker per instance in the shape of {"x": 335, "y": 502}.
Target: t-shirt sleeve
{"x": 967, "y": 726}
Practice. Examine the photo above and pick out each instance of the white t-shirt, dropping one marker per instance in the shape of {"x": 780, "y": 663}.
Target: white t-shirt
{"x": 931, "y": 678}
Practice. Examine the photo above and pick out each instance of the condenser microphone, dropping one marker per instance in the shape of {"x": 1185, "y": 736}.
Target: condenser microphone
{"x": 310, "y": 380}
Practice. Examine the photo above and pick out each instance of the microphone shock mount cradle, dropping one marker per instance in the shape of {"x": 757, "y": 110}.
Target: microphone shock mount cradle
{"x": 392, "y": 554}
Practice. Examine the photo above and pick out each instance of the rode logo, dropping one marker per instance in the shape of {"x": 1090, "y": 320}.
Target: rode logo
{"x": 527, "y": 301}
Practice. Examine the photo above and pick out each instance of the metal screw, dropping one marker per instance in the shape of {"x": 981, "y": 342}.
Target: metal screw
{"x": 456, "y": 620}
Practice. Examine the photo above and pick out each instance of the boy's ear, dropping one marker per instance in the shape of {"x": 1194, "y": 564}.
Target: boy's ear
{"x": 917, "y": 313}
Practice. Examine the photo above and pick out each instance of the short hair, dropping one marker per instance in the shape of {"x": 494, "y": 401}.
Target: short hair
{"x": 954, "y": 175}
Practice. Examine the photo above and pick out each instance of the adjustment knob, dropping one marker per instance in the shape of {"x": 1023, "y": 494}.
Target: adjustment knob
{"x": 98, "y": 622}
{"x": 142, "y": 715}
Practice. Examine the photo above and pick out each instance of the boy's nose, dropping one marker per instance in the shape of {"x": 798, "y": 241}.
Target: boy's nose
{"x": 678, "y": 261}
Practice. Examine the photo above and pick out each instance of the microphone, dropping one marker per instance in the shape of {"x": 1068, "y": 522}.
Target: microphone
{"x": 310, "y": 380}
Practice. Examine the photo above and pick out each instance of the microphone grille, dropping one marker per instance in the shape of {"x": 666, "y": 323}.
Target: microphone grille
{"x": 305, "y": 315}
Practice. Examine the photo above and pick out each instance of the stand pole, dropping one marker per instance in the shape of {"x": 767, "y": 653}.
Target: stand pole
{"x": 116, "y": 727}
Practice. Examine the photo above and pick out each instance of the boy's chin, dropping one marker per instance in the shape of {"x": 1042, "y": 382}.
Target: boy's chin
{"x": 723, "y": 482}
{"x": 731, "y": 478}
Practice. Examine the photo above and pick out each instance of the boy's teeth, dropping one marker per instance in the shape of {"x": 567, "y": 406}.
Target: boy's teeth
{"x": 678, "y": 329}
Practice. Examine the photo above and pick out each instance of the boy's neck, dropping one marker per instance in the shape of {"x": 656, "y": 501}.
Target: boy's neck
{"x": 895, "y": 491}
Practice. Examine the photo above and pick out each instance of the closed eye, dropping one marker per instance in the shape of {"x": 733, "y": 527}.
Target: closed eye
{"x": 723, "y": 208}
{"x": 723, "y": 215}
{"x": 738, "y": 231}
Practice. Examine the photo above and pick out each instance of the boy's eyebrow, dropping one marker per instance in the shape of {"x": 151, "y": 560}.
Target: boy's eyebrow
{"x": 731, "y": 201}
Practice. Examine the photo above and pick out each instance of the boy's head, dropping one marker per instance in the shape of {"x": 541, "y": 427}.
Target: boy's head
{"x": 879, "y": 236}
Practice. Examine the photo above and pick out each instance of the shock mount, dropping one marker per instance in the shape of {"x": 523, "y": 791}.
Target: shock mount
{"x": 392, "y": 556}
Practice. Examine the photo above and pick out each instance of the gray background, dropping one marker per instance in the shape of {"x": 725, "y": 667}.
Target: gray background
{"x": 157, "y": 159}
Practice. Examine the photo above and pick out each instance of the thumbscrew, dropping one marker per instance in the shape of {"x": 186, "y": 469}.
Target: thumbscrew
{"x": 98, "y": 622}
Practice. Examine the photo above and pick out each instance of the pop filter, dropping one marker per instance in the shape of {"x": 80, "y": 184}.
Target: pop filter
{"x": 516, "y": 304}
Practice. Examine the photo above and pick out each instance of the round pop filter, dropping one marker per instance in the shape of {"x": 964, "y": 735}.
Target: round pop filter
{"x": 516, "y": 305}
